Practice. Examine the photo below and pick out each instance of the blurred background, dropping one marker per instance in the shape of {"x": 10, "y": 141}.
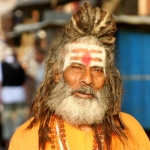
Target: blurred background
{"x": 26, "y": 30}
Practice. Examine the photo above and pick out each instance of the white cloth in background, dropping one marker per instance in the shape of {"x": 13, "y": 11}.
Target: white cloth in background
{"x": 11, "y": 94}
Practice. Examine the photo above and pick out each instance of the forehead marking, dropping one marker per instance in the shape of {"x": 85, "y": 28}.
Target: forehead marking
{"x": 86, "y": 58}
{"x": 88, "y": 54}
{"x": 85, "y": 50}
{"x": 80, "y": 58}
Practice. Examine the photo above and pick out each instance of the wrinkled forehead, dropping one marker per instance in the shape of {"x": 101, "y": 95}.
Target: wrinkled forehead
{"x": 88, "y": 54}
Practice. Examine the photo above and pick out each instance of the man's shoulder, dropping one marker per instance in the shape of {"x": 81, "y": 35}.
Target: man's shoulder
{"x": 23, "y": 129}
{"x": 129, "y": 120}
{"x": 136, "y": 129}
{"x": 126, "y": 116}
{"x": 24, "y": 137}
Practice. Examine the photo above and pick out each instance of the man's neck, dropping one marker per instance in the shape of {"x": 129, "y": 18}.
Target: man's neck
{"x": 85, "y": 128}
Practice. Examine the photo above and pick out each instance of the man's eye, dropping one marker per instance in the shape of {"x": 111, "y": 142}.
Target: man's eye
{"x": 76, "y": 67}
{"x": 97, "y": 70}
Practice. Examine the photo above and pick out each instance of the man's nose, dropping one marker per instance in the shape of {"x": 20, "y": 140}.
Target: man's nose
{"x": 86, "y": 77}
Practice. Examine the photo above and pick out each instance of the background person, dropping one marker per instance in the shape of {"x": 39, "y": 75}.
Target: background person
{"x": 40, "y": 58}
{"x": 33, "y": 63}
{"x": 12, "y": 95}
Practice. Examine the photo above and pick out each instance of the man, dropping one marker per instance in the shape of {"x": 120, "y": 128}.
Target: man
{"x": 77, "y": 106}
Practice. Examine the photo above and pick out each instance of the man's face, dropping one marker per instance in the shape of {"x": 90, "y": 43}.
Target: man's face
{"x": 79, "y": 96}
{"x": 85, "y": 66}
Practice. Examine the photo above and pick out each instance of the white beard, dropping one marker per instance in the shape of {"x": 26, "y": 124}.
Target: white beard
{"x": 77, "y": 111}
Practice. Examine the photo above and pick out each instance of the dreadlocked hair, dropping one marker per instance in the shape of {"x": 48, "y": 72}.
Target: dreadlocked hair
{"x": 87, "y": 21}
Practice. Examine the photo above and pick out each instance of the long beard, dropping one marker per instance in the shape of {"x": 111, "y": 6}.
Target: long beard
{"x": 75, "y": 110}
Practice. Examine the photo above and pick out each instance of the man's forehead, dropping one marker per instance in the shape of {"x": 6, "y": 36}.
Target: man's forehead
{"x": 85, "y": 53}
{"x": 83, "y": 47}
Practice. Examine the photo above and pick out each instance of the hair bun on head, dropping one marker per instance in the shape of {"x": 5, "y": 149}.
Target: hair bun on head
{"x": 92, "y": 21}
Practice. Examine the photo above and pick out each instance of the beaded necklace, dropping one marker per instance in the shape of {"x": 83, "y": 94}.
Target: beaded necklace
{"x": 58, "y": 135}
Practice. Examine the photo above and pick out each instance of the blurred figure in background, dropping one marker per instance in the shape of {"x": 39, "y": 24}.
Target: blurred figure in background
{"x": 40, "y": 59}
{"x": 33, "y": 62}
{"x": 12, "y": 94}
{"x": 3, "y": 44}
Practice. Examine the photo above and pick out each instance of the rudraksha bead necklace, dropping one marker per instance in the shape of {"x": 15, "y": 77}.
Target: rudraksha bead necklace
{"x": 58, "y": 135}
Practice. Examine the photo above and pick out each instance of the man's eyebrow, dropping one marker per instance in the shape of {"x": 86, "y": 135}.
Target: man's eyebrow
{"x": 97, "y": 66}
{"x": 77, "y": 63}
{"x": 84, "y": 50}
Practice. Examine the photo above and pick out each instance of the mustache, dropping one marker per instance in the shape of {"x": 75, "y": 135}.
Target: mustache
{"x": 85, "y": 90}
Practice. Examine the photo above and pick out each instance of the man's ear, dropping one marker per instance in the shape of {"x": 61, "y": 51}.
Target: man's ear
{"x": 57, "y": 77}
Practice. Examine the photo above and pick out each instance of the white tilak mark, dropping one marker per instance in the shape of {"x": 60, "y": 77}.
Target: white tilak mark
{"x": 92, "y": 54}
{"x": 88, "y": 47}
{"x": 82, "y": 45}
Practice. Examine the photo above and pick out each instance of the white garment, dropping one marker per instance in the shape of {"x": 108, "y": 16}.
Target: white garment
{"x": 11, "y": 94}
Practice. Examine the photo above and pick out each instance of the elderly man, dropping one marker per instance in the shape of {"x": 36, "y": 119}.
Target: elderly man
{"x": 77, "y": 106}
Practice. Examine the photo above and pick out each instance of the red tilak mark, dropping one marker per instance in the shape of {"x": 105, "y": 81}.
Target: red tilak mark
{"x": 86, "y": 59}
